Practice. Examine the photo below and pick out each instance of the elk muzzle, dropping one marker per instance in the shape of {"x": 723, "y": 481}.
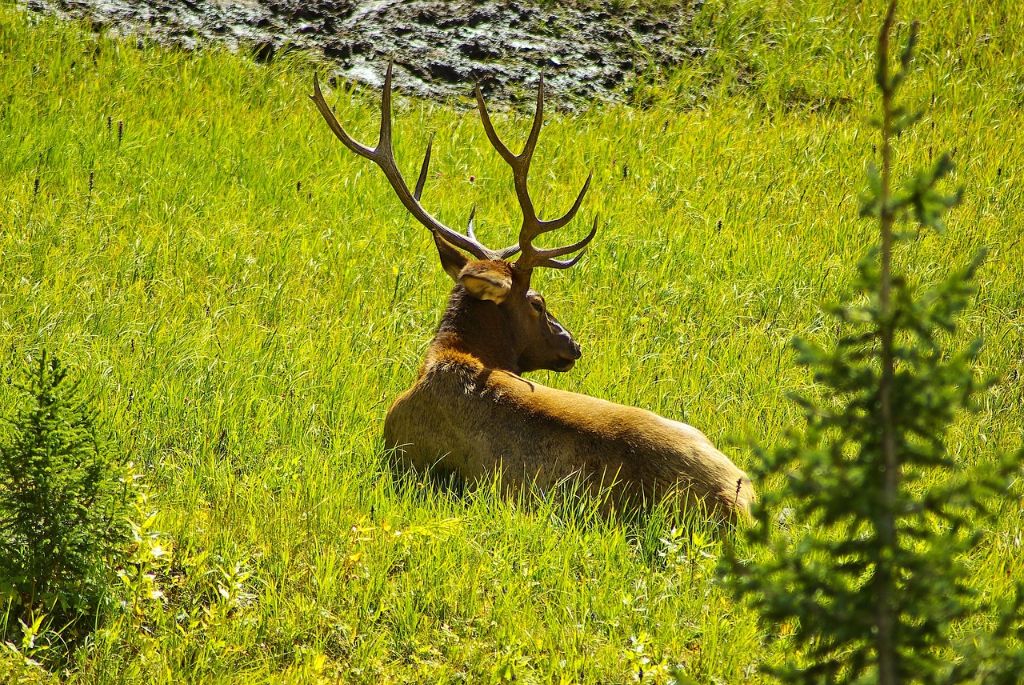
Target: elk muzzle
{"x": 568, "y": 349}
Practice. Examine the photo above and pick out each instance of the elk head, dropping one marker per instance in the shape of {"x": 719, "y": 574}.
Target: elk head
{"x": 489, "y": 286}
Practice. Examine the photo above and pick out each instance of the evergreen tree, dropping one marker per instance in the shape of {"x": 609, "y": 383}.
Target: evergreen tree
{"x": 61, "y": 506}
{"x": 871, "y": 574}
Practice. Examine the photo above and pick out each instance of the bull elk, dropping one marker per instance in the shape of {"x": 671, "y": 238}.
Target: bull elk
{"x": 471, "y": 413}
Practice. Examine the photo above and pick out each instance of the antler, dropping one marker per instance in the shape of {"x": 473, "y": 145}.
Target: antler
{"x": 383, "y": 155}
{"x": 533, "y": 226}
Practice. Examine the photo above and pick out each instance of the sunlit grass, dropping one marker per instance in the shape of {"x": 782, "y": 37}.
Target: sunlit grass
{"x": 246, "y": 298}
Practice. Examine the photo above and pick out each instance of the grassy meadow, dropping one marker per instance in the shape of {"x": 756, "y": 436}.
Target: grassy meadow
{"x": 245, "y": 298}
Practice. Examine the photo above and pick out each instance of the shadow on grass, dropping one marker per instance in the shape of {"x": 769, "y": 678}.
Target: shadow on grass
{"x": 572, "y": 503}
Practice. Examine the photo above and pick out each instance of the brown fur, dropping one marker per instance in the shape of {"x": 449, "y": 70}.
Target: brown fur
{"x": 471, "y": 413}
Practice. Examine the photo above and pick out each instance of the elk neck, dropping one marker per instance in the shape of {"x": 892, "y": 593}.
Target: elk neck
{"x": 478, "y": 329}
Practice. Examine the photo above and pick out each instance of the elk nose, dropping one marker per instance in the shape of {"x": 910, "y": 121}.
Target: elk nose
{"x": 576, "y": 353}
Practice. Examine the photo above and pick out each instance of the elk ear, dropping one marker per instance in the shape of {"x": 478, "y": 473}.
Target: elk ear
{"x": 451, "y": 259}
{"x": 485, "y": 281}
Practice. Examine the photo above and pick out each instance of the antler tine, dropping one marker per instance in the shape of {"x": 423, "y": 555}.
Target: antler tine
{"x": 325, "y": 111}
{"x": 562, "y": 263}
{"x": 538, "y": 122}
{"x": 533, "y": 225}
{"x": 520, "y": 163}
{"x": 383, "y": 155}
{"x": 503, "y": 253}
{"x": 471, "y": 222}
{"x": 384, "y": 139}
{"x": 555, "y": 224}
{"x": 542, "y": 254}
{"x": 510, "y": 251}
{"x": 422, "y": 180}
{"x": 492, "y": 135}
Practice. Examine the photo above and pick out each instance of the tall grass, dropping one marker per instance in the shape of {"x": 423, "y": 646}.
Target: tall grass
{"x": 247, "y": 298}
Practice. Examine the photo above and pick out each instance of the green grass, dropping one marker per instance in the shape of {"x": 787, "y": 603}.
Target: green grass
{"x": 246, "y": 298}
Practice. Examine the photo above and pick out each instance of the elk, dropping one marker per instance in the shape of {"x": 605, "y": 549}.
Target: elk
{"x": 471, "y": 413}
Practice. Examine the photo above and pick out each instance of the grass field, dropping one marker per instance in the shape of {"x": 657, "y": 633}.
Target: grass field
{"x": 246, "y": 298}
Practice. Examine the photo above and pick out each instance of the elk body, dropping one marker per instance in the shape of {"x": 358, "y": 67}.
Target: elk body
{"x": 471, "y": 412}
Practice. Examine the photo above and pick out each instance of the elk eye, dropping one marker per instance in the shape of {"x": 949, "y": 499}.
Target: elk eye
{"x": 538, "y": 305}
